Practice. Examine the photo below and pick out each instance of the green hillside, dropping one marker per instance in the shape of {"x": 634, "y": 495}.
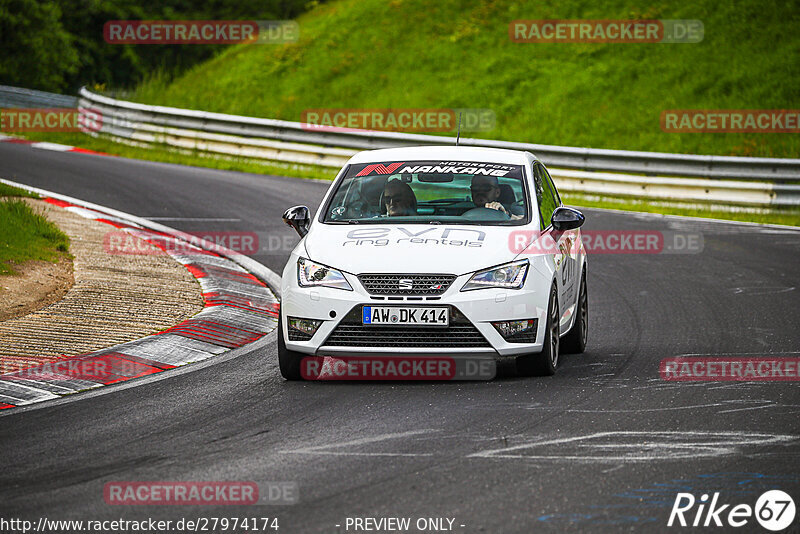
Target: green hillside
{"x": 457, "y": 54}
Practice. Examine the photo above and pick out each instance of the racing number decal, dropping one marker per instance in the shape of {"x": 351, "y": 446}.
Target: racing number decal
{"x": 568, "y": 268}
{"x": 567, "y": 271}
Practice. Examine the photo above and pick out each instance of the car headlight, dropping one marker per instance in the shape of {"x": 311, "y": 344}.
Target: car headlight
{"x": 310, "y": 273}
{"x": 508, "y": 276}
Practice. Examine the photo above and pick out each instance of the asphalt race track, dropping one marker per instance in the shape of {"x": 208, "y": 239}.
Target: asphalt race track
{"x": 605, "y": 445}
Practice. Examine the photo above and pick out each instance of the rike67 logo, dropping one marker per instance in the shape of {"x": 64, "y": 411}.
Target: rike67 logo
{"x": 774, "y": 510}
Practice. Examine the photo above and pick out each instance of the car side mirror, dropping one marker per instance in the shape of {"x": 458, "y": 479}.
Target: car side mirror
{"x": 565, "y": 218}
{"x": 298, "y": 218}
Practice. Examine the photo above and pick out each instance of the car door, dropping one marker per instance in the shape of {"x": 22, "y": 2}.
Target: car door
{"x": 563, "y": 259}
{"x": 569, "y": 246}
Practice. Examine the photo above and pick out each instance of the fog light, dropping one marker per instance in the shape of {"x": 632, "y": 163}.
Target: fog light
{"x": 302, "y": 329}
{"x": 523, "y": 331}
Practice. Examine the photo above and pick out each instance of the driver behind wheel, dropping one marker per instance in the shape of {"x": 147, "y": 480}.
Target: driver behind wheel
{"x": 486, "y": 192}
{"x": 399, "y": 199}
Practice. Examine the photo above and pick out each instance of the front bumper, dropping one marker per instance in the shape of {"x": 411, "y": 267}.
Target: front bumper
{"x": 471, "y": 314}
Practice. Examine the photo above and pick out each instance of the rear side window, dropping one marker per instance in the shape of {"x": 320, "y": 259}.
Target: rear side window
{"x": 545, "y": 194}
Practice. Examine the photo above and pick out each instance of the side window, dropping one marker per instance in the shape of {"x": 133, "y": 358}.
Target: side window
{"x": 545, "y": 195}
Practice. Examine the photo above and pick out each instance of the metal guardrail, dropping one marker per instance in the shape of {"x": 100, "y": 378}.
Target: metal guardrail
{"x": 225, "y": 135}
{"x": 15, "y": 97}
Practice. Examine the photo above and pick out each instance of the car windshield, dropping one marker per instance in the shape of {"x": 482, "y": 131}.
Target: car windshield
{"x": 453, "y": 192}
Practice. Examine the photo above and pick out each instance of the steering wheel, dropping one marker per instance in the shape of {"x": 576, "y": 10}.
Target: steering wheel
{"x": 485, "y": 214}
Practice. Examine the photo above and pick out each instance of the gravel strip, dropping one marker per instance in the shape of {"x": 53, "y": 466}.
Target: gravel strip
{"x": 115, "y": 298}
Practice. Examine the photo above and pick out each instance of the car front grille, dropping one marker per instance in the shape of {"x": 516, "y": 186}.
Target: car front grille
{"x": 406, "y": 284}
{"x": 461, "y": 333}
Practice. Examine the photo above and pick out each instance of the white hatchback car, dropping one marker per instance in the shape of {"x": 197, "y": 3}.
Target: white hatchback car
{"x": 436, "y": 251}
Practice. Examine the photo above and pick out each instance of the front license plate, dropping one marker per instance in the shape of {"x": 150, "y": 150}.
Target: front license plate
{"x": 405, "y": 316}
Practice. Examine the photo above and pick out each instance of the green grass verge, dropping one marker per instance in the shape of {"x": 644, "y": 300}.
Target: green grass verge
{"x": 163, "y": 155}
{"x": 369, "y": 54}
{"x": 11, "y": 191}
{"x": 26, "y": 234}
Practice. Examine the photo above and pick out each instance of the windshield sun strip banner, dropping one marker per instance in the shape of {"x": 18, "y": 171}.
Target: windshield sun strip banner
{"x": 475, "y": 168}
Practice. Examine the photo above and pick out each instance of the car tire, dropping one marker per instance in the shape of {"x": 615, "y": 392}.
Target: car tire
{"x": 575, "y": 340}
{"x": 544, "y": 363}
{"x": 288, "y": 360}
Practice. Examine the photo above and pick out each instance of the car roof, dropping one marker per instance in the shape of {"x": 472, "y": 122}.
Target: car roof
{"x": 455, "y": 153}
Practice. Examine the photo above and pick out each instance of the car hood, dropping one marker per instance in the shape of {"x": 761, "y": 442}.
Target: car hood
{"x": 411, "y": 248}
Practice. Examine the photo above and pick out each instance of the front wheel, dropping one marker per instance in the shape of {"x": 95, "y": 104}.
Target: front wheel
{"x": 575, "y": 340}
{"x": 544, "y": 363}
{"x": 288, "y": 360}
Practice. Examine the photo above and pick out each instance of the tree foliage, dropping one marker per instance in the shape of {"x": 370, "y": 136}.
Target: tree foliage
{"x": 58, "y": 45}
